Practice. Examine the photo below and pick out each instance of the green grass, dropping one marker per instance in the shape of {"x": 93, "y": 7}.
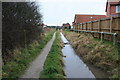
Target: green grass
{"x": 52, "y": 66}
{"x": 103, "y": 53}
{"x": 16, "y": 67}
{"x": 116, "y": 48}
{"x": 111, "y": 54}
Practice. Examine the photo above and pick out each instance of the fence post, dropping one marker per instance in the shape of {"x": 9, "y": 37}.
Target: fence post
{"x": 99, "y": 27}
{"x": 91, "y": 25}
{"x": 75, "y": 26}
{"x": 86, "y": 26}
{"x": 114, "y": 38}
{"x": 111, "y": 21}
{"x": 78, "y": 26}
{"x": 82, "y": 26}
{"x": 101, "y": 36}
{"x": 92, "y": 28}
{"x": 118, "y": 25}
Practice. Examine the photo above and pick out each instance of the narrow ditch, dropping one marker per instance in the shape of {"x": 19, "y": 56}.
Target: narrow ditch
{"x": 74, "y": 66}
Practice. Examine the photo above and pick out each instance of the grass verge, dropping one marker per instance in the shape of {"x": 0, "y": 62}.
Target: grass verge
{"x": 102, "y": 54}
{"x": 53, "y": 66}
{"x": 16, "y": 67}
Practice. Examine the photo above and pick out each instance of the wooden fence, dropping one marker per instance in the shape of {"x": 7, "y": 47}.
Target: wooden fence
{"x": 111, "y": 25}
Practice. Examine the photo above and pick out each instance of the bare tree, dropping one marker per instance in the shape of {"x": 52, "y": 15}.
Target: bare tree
{"x": 20, "y": 25}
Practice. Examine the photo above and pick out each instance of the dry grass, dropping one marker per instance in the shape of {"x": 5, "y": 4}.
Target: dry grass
{"x": 101, "y": 54}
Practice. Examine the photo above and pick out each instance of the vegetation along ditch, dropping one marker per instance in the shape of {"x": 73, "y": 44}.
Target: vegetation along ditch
{"x": 101, "y": 56}
{"x": 16, "y": 66}
{"x": 74, "y": 66}
{"x": 53, "y": 66}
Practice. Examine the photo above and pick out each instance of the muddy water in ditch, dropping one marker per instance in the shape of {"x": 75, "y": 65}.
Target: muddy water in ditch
{"x": 74, "y": 66}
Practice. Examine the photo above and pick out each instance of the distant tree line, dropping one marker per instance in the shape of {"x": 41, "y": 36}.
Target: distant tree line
{"x": 21, "y": 25}
{"x": 51, "y": 26}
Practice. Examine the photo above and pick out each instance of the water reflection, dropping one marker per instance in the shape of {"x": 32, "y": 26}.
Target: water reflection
{"x": 74, "y": 66}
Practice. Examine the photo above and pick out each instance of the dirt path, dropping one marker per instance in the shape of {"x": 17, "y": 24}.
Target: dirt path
{"x": 37, "y": 65}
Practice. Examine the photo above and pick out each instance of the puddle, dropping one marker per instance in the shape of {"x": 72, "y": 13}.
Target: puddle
{"x": 74, "y": 66}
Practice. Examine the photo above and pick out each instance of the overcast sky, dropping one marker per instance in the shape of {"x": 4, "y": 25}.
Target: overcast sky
{"x": 57, "y": 12}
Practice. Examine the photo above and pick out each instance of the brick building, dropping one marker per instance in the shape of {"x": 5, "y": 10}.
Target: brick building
{"x": 113, "y": 8}
{"x": 66, "y": 26}
{"x": 82, "y": 18}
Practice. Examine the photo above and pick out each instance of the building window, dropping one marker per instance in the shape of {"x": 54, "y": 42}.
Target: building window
{"x": 118, "y": 9}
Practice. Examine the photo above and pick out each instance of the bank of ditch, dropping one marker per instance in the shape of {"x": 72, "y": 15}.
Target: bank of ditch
{"x": 53, "y": 66}
{"x": 23, "y": 57}
{"x": 101, "y": 54}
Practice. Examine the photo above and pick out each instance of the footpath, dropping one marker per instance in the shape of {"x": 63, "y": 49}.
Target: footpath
{"x": 33, "y": 71}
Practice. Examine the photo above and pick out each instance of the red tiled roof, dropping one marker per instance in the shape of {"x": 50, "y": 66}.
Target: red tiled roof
{"x": 81, "y": 18}
{"x": 66, "y": 25}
